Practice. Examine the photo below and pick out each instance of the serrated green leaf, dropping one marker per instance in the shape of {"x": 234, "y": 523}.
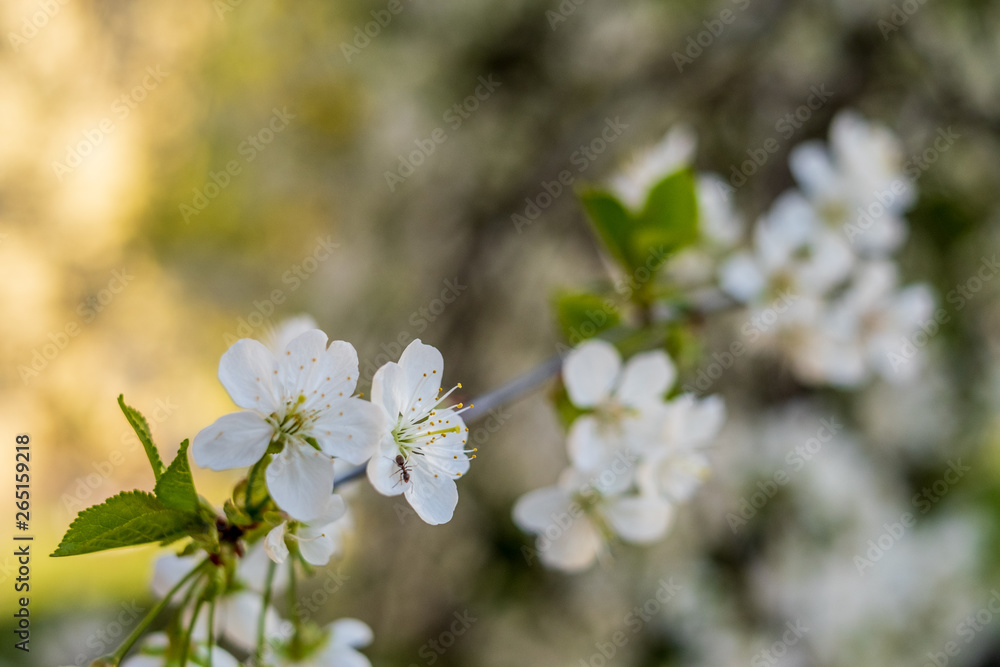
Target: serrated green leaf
{"x": 584, "y": 315}
{"x": 672, "y": 211}
{"x": 141, "y": 428}
{"x": 128, "y": 519}
{"x": 175, "y": 487}
{"x": 613, "y": 223}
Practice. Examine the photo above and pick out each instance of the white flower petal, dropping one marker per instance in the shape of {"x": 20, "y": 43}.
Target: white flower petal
{"x": 351, "y": 632}
{"x": 573, "y": 549}
{"x": 674, "y": 476}
{"x": 590, "y": 371}
{"x": 249, "y": 372}
{"x": 589, "y": 446}
{"x": 741, "y": 277}
{"x": 691, "y": 422}
{"x": 334, "y": 509}
{"x": 274, "y": 543}
{"x": 645, "y": 378}
{"x": 237, "y": 616}
{"x": 350, "y": 429}
{"x": 235, "y": 440}
{"x": 639, "y": 519}
{"x": 300, "y": 480}
{"x": 277, "y": 339}
{"x": 424, "y": 368}
{"x": 432, "y": 496}
{"x": 303, "y": 363}
{"x": 389, "y": 389}
{"x": 317, "y": 550}
{"x": 384, "y": 473}
{"x": 536, "y": 510}
{"x": 344, "y": 359}
{"x": 810, "y": 164}
{"x": 251, "y": 570}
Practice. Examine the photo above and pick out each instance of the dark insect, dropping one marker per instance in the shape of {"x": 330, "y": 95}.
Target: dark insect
{"x": 404, "y": 470}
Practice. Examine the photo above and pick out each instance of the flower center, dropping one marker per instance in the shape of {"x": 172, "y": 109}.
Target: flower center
{"x": 295, "y": 422}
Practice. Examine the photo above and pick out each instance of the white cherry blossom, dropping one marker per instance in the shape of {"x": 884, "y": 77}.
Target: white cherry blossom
{"x": 576, "y": 518}
{"x": 870, "y": 327}
{"x": 676, "y": 464}
{"x": 623, "y": 401}
{"x": 792, "y": 251}
{"x": 318, "y": 539}
{"x": 301, "y": 403}
{"x": 423, "y": 451}
{"x": 858, "y": 184}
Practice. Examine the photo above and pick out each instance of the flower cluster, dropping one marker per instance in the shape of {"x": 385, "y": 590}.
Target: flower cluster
{"x": 819, "y": 269}
{"x": 634, "y": 456}
{"x": 301, "y": 416}
{"x": 301, "y": 421}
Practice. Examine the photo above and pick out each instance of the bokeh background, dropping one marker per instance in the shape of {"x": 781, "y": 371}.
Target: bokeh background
{"x": 116, "y": 116}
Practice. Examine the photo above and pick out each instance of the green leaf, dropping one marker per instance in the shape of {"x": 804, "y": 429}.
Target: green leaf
{"x": 128, "y": 519}
{"x": 584, "y": 315}
{"x": 141, "y": 428}
{"x": 613, "y": 223}
{"x": 175, "y": 487}
{"x": 566, "y": 411}
{"x": 670, "y": 216}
